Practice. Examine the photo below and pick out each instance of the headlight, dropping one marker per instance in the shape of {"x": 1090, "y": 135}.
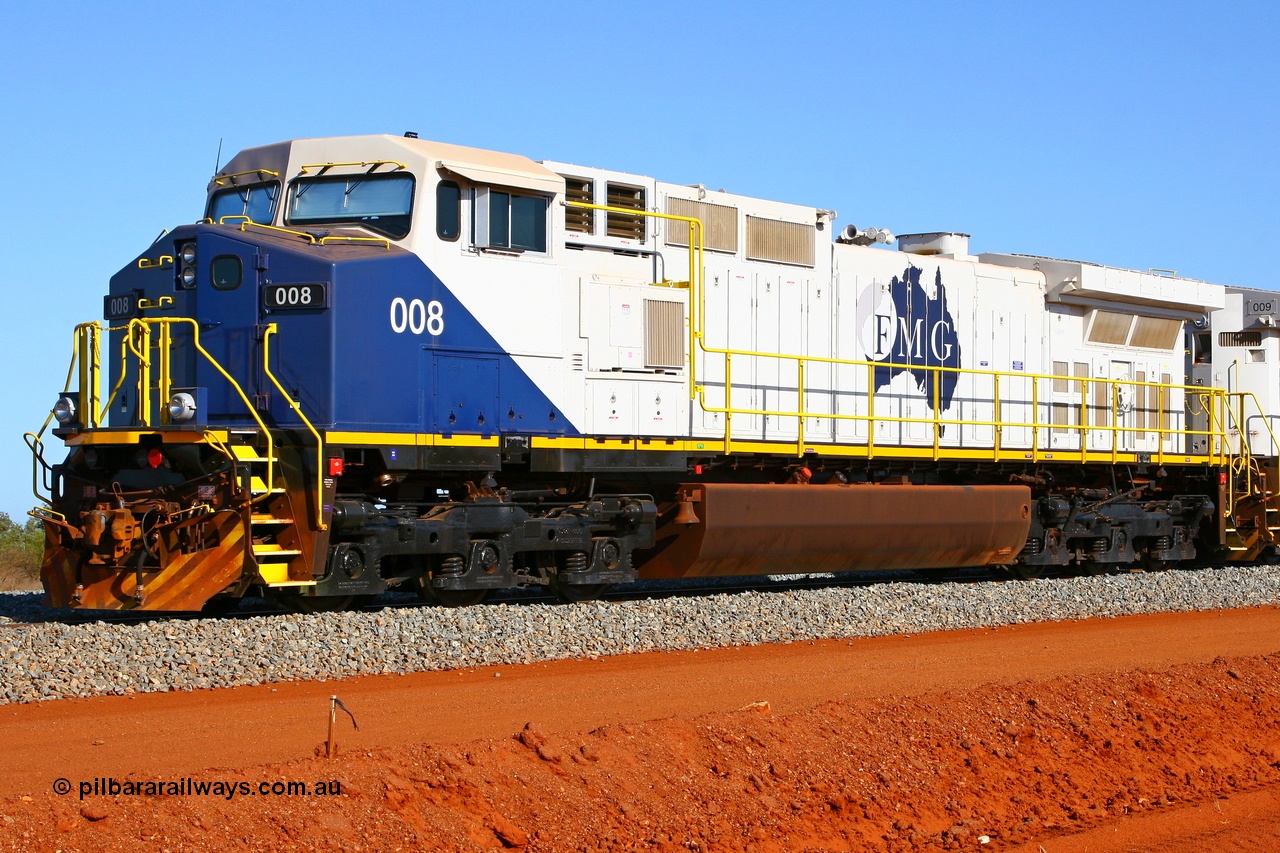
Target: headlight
{"x": 188, "y": 276}
{"x": 64, "y": 411}
{"x": 182, "y": 407}
{"x": 188, "y": 253}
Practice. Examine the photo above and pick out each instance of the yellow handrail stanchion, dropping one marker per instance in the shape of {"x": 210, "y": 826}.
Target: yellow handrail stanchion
{"x": 297, "y": 408}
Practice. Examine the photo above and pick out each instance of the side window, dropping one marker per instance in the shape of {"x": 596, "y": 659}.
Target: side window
{"x": 226, "y": 272}
{"x": 448, "y": 210}
{"x": 505, "y": 220}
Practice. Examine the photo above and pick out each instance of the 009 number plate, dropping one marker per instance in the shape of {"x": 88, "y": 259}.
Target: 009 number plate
{"x": 293, "y": 297}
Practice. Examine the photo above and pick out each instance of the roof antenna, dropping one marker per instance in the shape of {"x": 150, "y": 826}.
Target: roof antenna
{"x": 218, "y": 163}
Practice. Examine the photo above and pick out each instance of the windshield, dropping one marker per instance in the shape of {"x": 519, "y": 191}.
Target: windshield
{"x": 381, "y": 203}
{"x": 258, "y": 202}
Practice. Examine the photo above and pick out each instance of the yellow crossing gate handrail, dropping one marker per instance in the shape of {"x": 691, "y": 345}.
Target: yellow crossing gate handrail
{"x": 297, "y": 408}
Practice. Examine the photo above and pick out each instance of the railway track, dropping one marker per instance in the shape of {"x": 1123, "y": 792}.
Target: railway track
{"x": 253, "y": 608}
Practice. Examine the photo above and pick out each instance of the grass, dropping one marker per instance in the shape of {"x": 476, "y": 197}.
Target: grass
{"x": 20, "y": 551}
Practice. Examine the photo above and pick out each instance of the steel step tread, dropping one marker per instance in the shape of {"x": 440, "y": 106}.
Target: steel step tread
{"x": 246, "y": 453}
{"x": 270, "y": 549}
{"x": 268, "y": 520}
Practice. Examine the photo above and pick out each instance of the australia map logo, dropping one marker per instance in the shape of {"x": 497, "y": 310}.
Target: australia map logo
{"x": 906, "y": 328}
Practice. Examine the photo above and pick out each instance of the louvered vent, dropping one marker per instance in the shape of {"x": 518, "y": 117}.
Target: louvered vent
{"x": 1239, "y": 339}
{"x": 784, "y": 242}
{"x": 663, "y": 334}
{"x": 1109, "y": 327}
{"x": 1156, "y": 333}
{"x": 719, "y": 224}
{"x": 625, "y": 225}
{"x": 579, "y": 219}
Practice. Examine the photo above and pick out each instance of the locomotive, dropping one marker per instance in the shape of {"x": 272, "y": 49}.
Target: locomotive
{"x": 383, "y": 362}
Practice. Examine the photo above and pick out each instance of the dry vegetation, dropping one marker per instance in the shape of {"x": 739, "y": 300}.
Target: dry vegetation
{"x": 20, "y": 549}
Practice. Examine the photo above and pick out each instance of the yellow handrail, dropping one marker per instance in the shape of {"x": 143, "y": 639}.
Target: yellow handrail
{"x": 138, "y": 342}
{"x": 695, "y": 272}
{"x": 324, "y": 167}
{"x": 218, "y": 179}
{"x": 998, "y": 423}
{"x": 297, "y": 408}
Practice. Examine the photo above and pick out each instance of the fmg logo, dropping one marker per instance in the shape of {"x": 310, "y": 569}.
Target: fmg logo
{"x": 907, "y": 329}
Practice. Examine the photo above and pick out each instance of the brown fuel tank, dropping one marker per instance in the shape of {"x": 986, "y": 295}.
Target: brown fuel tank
{"x": 732, "y": 529}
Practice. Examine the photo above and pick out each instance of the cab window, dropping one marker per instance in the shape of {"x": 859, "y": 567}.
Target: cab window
{"x": 381, "y": 203}
{"x": 258, "y": 202}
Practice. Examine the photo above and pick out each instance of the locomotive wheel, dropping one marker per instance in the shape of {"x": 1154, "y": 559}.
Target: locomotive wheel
{"x": 575, "y": 593}
{"x": 315, "y": 604}
{"x": 458, "y": 597}
{"x": 218, "y": 607}
{"x": 1026, "y": 572}
{"x": 448, "y": 597}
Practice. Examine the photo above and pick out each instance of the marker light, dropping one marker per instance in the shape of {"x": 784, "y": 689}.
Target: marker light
{"x": 64, "y": 411}
{"x": 182, "y": 407}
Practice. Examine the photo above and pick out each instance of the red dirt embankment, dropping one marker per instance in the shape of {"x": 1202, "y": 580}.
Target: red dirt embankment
{"x": 1103, "y": 735}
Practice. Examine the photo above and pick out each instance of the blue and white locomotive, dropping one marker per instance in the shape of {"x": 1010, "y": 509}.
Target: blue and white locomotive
{"x": 380, "y": 361}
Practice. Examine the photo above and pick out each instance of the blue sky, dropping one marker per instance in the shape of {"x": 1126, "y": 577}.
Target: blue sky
{"x": 1133, "y": 134}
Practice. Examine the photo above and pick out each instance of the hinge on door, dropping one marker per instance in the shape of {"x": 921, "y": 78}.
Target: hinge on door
{"x": 261, "y": 260}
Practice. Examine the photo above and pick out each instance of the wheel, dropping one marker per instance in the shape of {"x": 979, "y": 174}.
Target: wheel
{"x": 575, "y": 593}
{"x": 1154, "y": 564}
{"x": 1026, "y": 571}
{"x": 458, "y": 597}
{"x": 447, "y": 597}
{"x": 218, "y": 607}
{"x": 315, "y": 604}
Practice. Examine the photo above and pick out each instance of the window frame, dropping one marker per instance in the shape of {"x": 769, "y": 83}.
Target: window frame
{"x": 312, "y": 180}
{"x": 483, "y": 220}
{"x": 456, "y": 212}
{"x": 223, "y": 191}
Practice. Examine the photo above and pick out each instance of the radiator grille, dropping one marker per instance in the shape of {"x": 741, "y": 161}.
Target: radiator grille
{"x": 784, "y": 242}
{"x": 719, "y": 224}
{"x": 579, "y": 219}
{"x": 1240, "y": 339}
{"x": 664, "y": 334}
{"x": 626, "y": 225}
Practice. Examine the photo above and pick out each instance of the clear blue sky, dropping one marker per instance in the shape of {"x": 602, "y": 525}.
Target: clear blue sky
{"x": 1134, "y": 134}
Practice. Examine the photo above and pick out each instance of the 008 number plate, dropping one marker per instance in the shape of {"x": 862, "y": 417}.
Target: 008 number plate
{"x": 120, "y": 307}
{"x": 293, "y": 297}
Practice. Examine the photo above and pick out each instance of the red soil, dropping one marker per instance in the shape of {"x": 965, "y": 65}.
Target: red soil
{"x": 1148, "y": 733}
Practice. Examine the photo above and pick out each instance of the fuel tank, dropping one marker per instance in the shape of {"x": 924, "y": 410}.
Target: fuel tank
{"x": 730, "y": 529}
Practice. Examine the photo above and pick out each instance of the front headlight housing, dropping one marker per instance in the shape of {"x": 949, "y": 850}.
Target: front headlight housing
{"x": 64, "y": 411}
{"x": 187, "y": 265}
{"x": 182, "y": 407}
